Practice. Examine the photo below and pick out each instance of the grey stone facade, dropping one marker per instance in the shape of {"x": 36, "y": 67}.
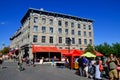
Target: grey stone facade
{"x": 45, "y": 28}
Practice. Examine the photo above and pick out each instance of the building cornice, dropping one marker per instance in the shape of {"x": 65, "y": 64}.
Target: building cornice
{"x": 32, "y": 10}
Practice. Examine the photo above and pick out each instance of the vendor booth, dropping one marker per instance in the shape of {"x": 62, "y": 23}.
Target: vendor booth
{"x": 73, "y": 55}
{"x": 46, "y": 52}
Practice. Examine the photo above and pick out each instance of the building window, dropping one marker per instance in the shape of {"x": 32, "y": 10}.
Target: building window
{"x": 34, "y": 38}
{"x": 90, "y": 34}
{"x": 79, "y": 41}
{"x": 59, "y": 23}
{"x": 35, "y": 28}
{"x": 85, "y": 34}
{"x": 43, "y": 29}
{"x": 73, "y": 40}
{"x": 90, "y": 41}
{"x": 60, "y": 39}
{"x": 60, "y": 30}
{"x": 72, "y": 25}
{"x": 85, "y": 41}
{"x": 81, "y": 48}
{"x": 79, "y": 33}
{"x": 51, "y": 21}
{"x": 66, "y": 31}
{"x": 43, "y": 20}
{"x": 89, "y": 27}
{"x": 72, "y": 32}
{"x": 68, "y": 40}
{"x": 78, "y": 26}
{"x": 51, "y": 29}
{"x": 60, "y": 47}
{"x": 84, "y": 26}
{"x": 43, "y": 39}
{"x": 66, "y": 24}
{"x": 51, "y": 39}
{"x": 35, "y": 19}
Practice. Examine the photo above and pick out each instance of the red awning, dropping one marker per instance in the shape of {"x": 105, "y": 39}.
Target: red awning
{"x": 98, "y": 54}
{"x": 36, "y": 48}
{"x": 77, "y": 52}
{"x": 74, "y": 52}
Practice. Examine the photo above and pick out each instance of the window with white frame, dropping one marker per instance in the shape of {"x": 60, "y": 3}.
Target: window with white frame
{"x": 60, "y": 30}
{"x": 35, "y": 19}
{"x": 43, "y": 29}
{"x": 51, "y": 39}
{"x": 35, "y": 38}
{"x": 84, "y": 26}
{"x": 78, "y": 26}
{"x": 59, "y": 23}
{"x": 51, "y": 29}
{"x": 90, "y": 34}
{"x": 72, "y": 32}
{"x": 66, "y": 31}
{"x": 66, "y": 24}
{"x": 85, "y": 34}
{"x": 51, "y": 21}
{"x": 43, "y": 39}
{"x": 79, "y": 41}
{"x": 43, "y": 20}
{"x": 79, "y": 33}
{"x": 73, "y": 40}
{"x": 90, "y": 41}
{"x": 85, "y": 41}
{"x": 72, "y": 24}
{"x": 35, "y": 28}
{"x": 89, "y": 27}
{"x": 60, "y": 39}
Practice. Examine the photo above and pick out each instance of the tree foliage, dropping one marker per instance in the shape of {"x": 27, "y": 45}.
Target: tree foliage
{"x": 5, "y": 50}
{"x": 107, "y": 49}
{"x": 89, "y": 49}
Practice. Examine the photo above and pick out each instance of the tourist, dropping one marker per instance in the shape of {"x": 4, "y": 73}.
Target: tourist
{"x": 85, "y": 62}
{"x": 98, "y": 71}
{"x": 1, "y": 60}
{"x": 118, "y": 68}
{"x": 112, "y": 61}
{"x": 81, "y": 66}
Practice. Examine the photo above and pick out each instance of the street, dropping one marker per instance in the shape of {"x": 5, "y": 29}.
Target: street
{"x": 39, "y": 72}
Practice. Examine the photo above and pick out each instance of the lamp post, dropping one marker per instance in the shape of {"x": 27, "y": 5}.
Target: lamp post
{"x": 69, "y": 43}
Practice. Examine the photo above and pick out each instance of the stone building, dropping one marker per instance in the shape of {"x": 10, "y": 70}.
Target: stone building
{"x": 44, "y": 28}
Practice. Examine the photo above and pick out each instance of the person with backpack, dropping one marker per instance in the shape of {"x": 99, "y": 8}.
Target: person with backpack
{"x": 81, "y": 66}
{"x": 112, "y": 64}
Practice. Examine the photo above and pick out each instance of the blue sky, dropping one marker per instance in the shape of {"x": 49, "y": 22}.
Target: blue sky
{"x": 105, "y": 13}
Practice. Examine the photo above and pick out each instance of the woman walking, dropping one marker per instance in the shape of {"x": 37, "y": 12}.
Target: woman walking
{"x": 1, "y": 60}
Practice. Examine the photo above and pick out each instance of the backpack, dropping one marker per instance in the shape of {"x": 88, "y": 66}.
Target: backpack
{"x": 101, "y": 67}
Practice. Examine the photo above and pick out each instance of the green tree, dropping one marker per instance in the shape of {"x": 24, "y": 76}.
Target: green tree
{"x": 116, "y": 49}
{"x": 5, "y": 50}
{"x": 89, "y": 49}
{"x": 105, "y": 49}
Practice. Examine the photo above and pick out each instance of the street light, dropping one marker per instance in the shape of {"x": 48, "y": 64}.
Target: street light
{"x": 69, "y": 43}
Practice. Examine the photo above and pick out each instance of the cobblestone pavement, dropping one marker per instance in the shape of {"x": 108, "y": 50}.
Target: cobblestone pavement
{"x": 39, "y": 72}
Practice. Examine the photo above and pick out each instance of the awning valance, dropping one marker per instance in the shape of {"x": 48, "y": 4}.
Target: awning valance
{"x": 36, "y": 48}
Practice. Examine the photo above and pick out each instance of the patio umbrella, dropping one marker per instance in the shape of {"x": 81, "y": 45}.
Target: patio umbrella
{"x": 88, "y": 54}
{"x": 98, "y": 54}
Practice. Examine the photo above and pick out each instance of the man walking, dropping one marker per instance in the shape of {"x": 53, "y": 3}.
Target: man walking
{"x": 81, "y": 66}
{"x": 112, "y": 62}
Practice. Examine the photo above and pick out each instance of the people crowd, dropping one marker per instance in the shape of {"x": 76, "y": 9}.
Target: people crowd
{"x": 97, "y": 69}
